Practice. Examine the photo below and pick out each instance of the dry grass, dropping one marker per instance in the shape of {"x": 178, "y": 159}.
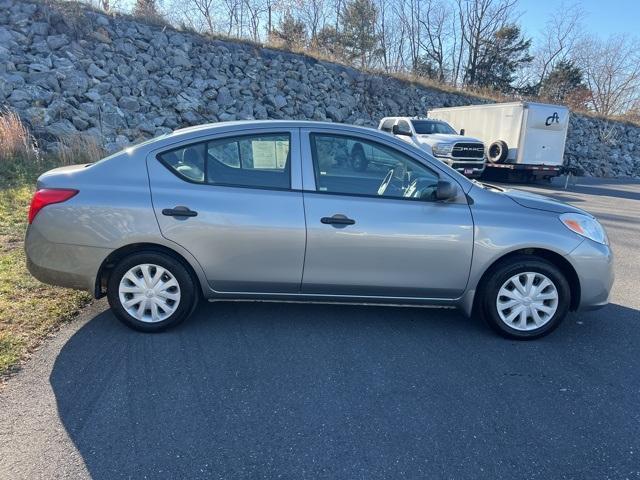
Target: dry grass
{"x": 79, "y": 149}
{"x": 18, "y": 149}
{"x": 29, "y": 310}
{"x": 21, "y": 161}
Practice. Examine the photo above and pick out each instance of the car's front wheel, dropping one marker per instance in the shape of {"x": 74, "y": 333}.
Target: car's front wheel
{"x": 525, "y": 298}
{"x": 151, "y": 291}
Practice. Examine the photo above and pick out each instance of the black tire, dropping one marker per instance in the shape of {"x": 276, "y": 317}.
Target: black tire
{"x": 488, "y": 295}
{"x": 188, "y": 291}
{"x": 359, "y": 161}
{"x": 498, "y": 151}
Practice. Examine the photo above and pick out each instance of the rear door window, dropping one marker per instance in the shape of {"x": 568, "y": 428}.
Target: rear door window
{"x": 260, "y": 161}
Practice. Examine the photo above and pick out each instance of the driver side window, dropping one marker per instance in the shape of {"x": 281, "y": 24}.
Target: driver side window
{"x": 354, "y": 166}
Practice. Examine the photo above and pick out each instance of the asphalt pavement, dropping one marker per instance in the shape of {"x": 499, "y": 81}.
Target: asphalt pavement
{"x": 267, "y": 390}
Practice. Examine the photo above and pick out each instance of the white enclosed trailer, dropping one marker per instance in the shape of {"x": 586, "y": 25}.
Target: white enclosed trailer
{"x": 525, "y": 140}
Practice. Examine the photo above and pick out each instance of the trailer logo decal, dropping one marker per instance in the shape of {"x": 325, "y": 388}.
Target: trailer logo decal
{"x": 555, "y": 118}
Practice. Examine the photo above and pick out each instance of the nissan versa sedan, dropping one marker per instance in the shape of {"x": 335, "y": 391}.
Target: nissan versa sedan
{"x": 274, "y": 210}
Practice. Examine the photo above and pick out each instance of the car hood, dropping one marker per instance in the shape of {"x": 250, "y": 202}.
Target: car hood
{"x": 540, "y": 202}
{"x": 434, "y": 138}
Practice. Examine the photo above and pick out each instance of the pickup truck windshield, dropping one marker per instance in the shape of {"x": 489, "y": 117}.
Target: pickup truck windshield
{"x": 427, "y": 127}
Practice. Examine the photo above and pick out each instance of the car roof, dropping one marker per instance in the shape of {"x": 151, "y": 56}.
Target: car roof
{"x": 188, "y": 133}
{"x": 267, "y": 124}
{"x": 413, "y": 118}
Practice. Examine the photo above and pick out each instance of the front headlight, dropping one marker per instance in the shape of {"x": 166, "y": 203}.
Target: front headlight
{"x": 586, "y": 226}
{"x": 442, "y": 149}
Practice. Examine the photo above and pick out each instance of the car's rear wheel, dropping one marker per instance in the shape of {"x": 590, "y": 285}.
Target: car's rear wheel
{"x": 525, "y": 298}
{"x": 151, "y": 291}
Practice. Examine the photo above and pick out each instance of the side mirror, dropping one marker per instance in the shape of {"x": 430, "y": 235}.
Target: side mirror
{"x": 396, "y": 130}
{"x": 462, "y": 131}
{"x": 446, "y": 190}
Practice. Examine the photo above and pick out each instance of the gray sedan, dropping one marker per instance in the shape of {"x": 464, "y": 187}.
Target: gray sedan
{"x": 275, "y": 210}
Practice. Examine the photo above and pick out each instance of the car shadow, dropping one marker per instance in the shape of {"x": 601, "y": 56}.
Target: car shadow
{"x": 266, "y": 390}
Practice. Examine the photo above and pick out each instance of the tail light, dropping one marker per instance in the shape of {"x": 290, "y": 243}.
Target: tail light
{"x": 48, "y": 196}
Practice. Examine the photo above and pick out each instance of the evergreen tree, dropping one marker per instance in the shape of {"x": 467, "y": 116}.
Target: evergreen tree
{"x": 500, "y": 59}
{"x": 328, "y": 42}
{"x": 358, "y": 35}
{"x": 424, "y": 67}
{"x": 564, "y": 84}
{"x": 292, "y": 33}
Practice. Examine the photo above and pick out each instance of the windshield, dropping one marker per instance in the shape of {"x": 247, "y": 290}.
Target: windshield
{"x": 428, "y": 127}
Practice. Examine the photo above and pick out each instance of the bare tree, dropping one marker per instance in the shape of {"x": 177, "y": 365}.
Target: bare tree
{"x": 557, "y": 40}
{"x": 314, "y": 14}
{"x": 207, "y": 9}
{"x": 611, "y": 70}
{"x": 254, "y": 11}
{"x": 231, "y": 8}
{"x": 436, "y": 23}
{"x": 479, "y": 21}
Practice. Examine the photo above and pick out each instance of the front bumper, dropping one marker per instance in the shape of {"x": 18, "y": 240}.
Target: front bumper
{"x": 593, "y": 262}
{"x": 466, "y": 167}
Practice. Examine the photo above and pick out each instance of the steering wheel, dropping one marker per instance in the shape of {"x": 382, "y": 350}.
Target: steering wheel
{"x": 385, "y": 182}
{"x": 419, "y": 188}
{"x": 397, "y": 177}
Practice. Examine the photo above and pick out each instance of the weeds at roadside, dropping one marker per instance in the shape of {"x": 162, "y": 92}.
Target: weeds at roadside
{"x": 29, "y": 310}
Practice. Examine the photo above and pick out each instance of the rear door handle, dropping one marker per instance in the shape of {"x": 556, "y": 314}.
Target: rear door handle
{"x": 179, "y": 211}
{"x": 337, "y": 219}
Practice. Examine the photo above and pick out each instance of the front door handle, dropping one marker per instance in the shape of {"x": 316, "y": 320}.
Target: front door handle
{"x": 337, "y": 219}
{"x": 179, "y": 211}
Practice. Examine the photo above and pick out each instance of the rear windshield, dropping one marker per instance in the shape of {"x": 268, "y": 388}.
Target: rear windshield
{"x": 428, "y": 127}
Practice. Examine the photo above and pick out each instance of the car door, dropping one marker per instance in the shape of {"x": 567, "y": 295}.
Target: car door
{"x": 230, "y": 201}
{"x": 366, "y": 240}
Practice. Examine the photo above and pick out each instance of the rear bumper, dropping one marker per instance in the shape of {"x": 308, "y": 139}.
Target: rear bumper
{"x": 593, "y": 263}
{"x": 64, "y": 265}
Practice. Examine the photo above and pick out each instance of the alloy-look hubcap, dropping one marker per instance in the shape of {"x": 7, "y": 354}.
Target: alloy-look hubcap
{"x": 149, "y": 293}
{"x": 527, "y": 301}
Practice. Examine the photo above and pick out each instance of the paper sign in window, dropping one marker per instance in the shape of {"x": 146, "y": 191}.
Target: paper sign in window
{"x": 270, "y": 154}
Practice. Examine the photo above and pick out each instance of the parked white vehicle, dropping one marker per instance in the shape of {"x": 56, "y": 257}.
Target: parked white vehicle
{"x": 465, "y": 154}
{"x": 525, "y": 139}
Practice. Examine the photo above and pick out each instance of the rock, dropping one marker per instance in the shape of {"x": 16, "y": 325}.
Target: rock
{"x": 5, "y": 36}
{"x": 129, "y": 103}
{"x": 61, "y": 129}
{"x": 80, "y": 123}
{"x": 39, "y": 28}
{"x": 307, "y": 110}
{"x": 96, "y": 71}
{"x": 334, "y": 114}
{"x": 224, "y": 97}
{"x": 93, "y": 96}
{"x": 38, "y": 67}
{"x": 19, "y": 96}
{"x": 57, "y": 41}
{"x": 74, "y": 82}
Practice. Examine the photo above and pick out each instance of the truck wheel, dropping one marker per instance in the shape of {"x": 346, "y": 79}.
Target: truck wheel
{"x": 498, "y": 151}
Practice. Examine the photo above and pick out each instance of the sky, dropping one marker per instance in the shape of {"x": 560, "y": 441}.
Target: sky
{"x": 603, "y": 17}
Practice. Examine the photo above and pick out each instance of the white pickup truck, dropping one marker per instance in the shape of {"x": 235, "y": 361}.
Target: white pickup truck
{"x": 465, "y": 154}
